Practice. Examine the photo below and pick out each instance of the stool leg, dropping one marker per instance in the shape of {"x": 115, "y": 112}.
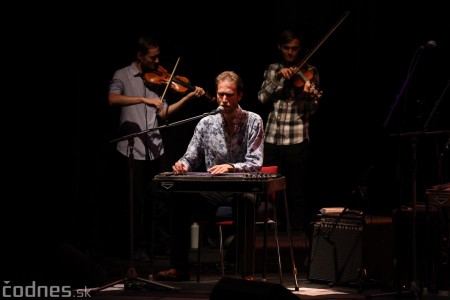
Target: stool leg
{"x": 275, "y": 229}
{"x": 265, "y": 239}
{"x": 222, "y": 263}
{"x": 198, "y": 252}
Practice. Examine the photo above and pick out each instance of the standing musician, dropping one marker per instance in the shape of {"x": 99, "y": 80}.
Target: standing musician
{"x": 293, "y": 95}
{"x": 141, "y": 107}
{"x": 230, "y": 141}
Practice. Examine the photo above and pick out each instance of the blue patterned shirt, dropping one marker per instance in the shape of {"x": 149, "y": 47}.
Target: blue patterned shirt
{"x": 211, "y": 142}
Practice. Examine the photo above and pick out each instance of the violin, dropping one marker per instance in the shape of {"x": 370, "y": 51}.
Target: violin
{"x": 300, "y": 78}
{"x": 304, "y": 75}
{"x": 179, "y": 84}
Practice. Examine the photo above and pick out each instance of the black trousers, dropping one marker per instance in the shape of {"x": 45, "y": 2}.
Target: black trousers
{"x": 185, "y": 207}
{"x": 292, "y": 162}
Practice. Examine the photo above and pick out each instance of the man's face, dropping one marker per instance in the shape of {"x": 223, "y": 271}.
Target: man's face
{"x": 290, "y": 50}
{"x": 150, "y": 60}
{"x": 227, "y": 95}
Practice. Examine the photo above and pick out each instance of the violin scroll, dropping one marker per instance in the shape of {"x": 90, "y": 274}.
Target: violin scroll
{"x": 315, "y": 92}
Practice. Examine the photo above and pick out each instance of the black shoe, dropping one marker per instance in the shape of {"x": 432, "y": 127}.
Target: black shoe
{"x": 173, "y": 275}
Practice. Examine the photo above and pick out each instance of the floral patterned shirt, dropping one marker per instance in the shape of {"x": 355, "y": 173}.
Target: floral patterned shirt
{"x": 243, "y": 148}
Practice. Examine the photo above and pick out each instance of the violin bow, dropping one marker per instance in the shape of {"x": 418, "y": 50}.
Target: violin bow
{"x": 308, "y": 56}
{"x": 170, "y": 79}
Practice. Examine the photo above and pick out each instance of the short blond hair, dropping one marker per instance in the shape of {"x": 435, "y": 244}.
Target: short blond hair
{"x": 233, "y": 77}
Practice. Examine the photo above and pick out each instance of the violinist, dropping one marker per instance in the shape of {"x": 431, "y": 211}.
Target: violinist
{"x": 141, "y": 107}
{"x": 290, "y": 87}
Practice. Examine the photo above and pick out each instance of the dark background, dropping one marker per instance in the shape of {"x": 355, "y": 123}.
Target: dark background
{"x": 361, "y": 136}
{"x": 363, "y": 66}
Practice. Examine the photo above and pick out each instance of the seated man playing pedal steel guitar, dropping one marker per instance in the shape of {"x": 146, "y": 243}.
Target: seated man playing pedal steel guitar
{"x": 230, "y": 141}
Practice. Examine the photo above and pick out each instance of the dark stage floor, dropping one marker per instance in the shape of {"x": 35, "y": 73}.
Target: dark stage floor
{"x": 345, "y": 263}
{"x": 213, "y": 286}
{"x": 375, "y": 283}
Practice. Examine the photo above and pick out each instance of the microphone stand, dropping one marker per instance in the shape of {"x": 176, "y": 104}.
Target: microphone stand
{"x": 131, "y": 279}
{"x": 415, "y": 289}
{"x": 127, "y": 137}
{"x": 440, "y": 177}
{"x": 436, "y": 105}
{"x": 413, "y": 65}
{"x": 412, "y": 68}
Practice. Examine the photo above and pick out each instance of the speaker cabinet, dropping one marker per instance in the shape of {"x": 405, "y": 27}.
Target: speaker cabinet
{"x": 336, "y": 251}
{"x": 352, "y": 250}
{"x": 232, "y": 288}
{"x": 430, "y": 246}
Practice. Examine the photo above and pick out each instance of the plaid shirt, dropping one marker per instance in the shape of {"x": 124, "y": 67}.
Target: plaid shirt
{"x": 287, "y": 122}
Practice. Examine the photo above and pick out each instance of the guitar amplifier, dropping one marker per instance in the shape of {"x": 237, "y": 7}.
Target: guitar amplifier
{"x": 439, "y": 201}
{"x": 439, "y": 195}
{"x": 430, "y": 243}
{"x": 336, "y": 251}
